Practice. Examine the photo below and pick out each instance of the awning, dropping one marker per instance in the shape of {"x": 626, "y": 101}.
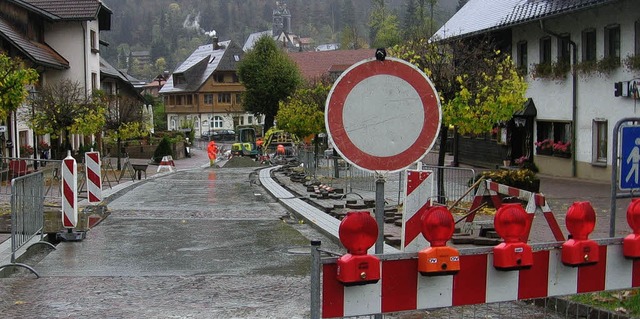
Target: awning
{"x": 529, "y": 109}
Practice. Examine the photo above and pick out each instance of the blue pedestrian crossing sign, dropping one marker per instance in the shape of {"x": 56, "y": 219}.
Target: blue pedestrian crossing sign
{"x": 630, "y": 158}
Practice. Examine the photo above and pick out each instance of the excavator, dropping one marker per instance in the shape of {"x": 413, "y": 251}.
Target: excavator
{"x": 245, "y": 144}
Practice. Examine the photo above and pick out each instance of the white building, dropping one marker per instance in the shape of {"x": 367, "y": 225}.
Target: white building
{"x": 574, "y": 98}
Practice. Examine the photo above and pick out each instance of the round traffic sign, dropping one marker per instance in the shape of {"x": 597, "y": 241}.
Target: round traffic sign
{"x": 383, "y": 115}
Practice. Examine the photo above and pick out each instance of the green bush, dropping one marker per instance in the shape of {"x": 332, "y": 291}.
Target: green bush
{"x": 163, "y": 149}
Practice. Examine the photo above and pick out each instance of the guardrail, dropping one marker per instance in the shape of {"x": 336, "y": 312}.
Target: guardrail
{"x": 27, "y": 214}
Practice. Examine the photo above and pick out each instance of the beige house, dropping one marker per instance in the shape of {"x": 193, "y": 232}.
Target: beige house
{"x": 204, "y": 92}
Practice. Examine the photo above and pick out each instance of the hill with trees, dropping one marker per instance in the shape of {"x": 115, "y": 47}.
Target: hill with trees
{"x": 171, "y": 30}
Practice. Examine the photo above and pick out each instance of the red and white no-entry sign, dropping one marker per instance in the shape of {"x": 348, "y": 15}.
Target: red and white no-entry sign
{"x": 383, "y": 115}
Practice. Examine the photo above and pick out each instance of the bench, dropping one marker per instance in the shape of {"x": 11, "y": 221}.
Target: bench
{"x": 18, "y": 168}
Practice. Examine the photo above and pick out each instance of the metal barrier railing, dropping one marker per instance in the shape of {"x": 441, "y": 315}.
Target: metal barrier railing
{"x": 27, "y": 214}
{"x": 325, "y": 166}
{"x": 11, "y": 167}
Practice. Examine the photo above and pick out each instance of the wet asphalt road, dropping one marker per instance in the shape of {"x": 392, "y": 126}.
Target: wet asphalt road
{"x": 203, "y": 243}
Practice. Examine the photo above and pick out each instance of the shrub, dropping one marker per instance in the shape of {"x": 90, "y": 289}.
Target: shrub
{"x": 163, "y": 149}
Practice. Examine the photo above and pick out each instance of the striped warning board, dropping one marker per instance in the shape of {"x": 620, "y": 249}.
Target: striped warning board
{"x": 93, "y": 176}
{"x": 166, "y": 163}
{"x": 69, "y": 192}
{"x": 418, "y": 192}
{"x": 536, "y": 203}
{"x": 402, "y": 287}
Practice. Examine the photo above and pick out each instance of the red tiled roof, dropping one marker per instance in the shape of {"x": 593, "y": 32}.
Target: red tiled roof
{"x": 317, "y": 63}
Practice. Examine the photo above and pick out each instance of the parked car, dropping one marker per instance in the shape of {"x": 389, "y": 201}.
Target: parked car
{"x": 223, "y": 136}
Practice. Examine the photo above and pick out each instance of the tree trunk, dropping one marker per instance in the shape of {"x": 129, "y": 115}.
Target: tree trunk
{"x": 118, "y": 152}
{"x": 268, "y": 121}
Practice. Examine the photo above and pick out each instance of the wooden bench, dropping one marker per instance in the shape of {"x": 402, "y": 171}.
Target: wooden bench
{"x": 18, "y": 168}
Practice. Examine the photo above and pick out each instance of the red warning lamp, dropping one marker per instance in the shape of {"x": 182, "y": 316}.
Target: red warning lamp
{"x": 511, "y": 224}
{"x": 439, "y": 259}
{"x": 358, "y": 232}
{"x": 631, "y": 243}
{"x": 579, "y": 249}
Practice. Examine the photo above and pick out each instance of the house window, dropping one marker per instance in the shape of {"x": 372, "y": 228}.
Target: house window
{"x": 217, "y": 122}
{"x": 553, "y": 138}
{"x": 235, "y": 78}
{"x": 238, "y": 98}
{"x": 599, "y": 141}
{"x": 637, "y": 38}
{"x": 224, "y": 98}
{"x": 589, "y": 45}
{"x": 179, "y": 100}
{"x": 545, "y": 50}
{"x": 94, "y": 80}
{"x": 189, "y": 99}
{"x": 612, "y": 42}
{"x": 219, "y": 77}
{"x": 208, "y": 99}
{"x": 249, "y": 119}
{"x": 522, "y": 57}
{"x": 93, "y": 37}
{"x": 564, "y": 49}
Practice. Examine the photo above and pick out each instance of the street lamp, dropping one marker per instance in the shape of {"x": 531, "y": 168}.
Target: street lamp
{"x": 33, "y": 94}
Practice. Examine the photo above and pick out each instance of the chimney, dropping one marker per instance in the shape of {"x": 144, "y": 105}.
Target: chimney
{"x": 214, "y": 41}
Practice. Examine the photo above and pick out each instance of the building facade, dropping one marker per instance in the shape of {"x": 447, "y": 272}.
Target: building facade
{"x": 204, "y": 92}
{"x": 572, "y": 53}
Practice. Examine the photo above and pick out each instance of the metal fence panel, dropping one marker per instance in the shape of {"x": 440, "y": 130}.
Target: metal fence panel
{"x": 27, "y": 209}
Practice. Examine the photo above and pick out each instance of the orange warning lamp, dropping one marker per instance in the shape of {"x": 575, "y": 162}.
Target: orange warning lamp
{"x": 511, "y": 224}
{"x": 631, "y": 243}
{"x": 439, "y": 259}
{"x": 579, "y": 249}
{"x": 358, "y": 232}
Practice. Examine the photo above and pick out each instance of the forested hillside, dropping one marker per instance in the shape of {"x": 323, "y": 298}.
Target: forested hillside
{"x": 171, "y": 30}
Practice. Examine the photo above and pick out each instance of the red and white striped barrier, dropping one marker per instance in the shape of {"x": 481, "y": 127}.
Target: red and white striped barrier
{"x": 94, "y": 179}
{"x": 69, "y": 192}
{"x": 166, "y": 162}
{"x": 418, "y": 192}
{"x": 401, "y": 286}
{"x": 536, "y": 203}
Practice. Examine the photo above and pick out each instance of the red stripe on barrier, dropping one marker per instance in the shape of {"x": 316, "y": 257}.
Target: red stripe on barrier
{"x": 69, "y": 164}
{"x": 93, "y": 197}
{"x": 635, "y": 277}
{"x": 93, "y": 177}
{"x": 493, "y": 186}
{"x": 413, "y": 227}
{"x": 513, "y": 192}
{"x": 332, "y": 292}
{"x": 470, "y": 284}
{"x": 68, "y": 195}
{"x": 66, "y": 222}
{"x": 553, "y": 224}
{"x": 94, "y": 156}
{"x": 539, "y": 199}
{"x": 532, "y": 281}
{"x": 592, "y": 277}
{"x": 400, "y": 285}
{"x": 414, "y": 179}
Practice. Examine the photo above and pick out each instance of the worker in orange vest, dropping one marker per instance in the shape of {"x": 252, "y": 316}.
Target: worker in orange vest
{"x": 280, "y": 149}
{"x": 212, "y": 151}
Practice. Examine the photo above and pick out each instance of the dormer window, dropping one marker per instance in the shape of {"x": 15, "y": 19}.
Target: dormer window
{"x": 179, "y": 79}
